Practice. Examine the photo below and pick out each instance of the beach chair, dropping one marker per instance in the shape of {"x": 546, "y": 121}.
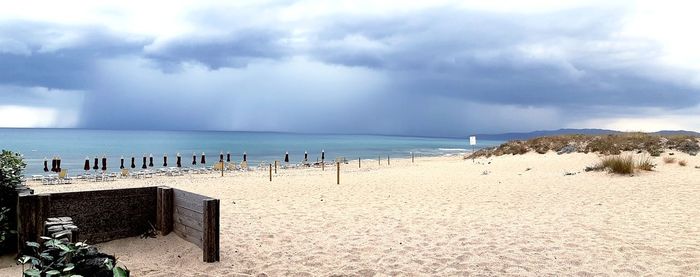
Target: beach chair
{"x": 112, "y": 176}
{"x": 124, "y": 173}
{"x": 37, "y": 177}
{"x": 244, "y": 166}
{"x": 85, "y": 176}
{"x": 49, "y": 179}
{"x": 63, "y": 177}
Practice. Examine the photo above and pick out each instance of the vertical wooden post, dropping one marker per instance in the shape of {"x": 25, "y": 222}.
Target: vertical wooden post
{"x": 359, "y": 162}
{"x": 270, "y": 172}
{"x": 210, "y": 239}
{"x": 164, "y": 214}
{"x": 323, "y": 165}
{"x": 275, "y": 167}
{"x": 388, "y": 160}
{"x": 338, "y": 173}
{"x": 222, "y": 168}
{"x": 411, "y": 157}
{"x": 32, "y": 211}
{"x": 44, "y": 210}
{"x": 379, "y": 158}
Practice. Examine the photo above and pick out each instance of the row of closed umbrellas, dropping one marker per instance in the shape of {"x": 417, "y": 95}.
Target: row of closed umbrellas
{"x": 56, "y": 161}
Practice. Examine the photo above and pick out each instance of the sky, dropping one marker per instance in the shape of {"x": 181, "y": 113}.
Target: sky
{"x": 427, "y": 68}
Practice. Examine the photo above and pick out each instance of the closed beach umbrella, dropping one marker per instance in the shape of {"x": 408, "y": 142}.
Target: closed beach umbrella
{"x": 104, "y": 163}
{"x": 228, "y": 157}
{"x": 179, "y": 160}
{"x": 46, "y": 165}
{"x": 94, "y": 165}
{"x": 245, "y": 157}
{"x": 133, "y": 161}
{"x": 165, "y": 160}
{"x": 121, "y": 162}
{"x": 194, "y": 159}
{"x": 323, "y": 155}
{"x": 221, "y": 156}
{"x": 58, "y": 164}
{"x": 306, "y": 156}
{"x": 53, "y": 164}
{"x": 86, "y": 166}
{"x": 150, "y": 160}
{"x": 144, "y": 162}
{"x": 204, "y": 159}
{"x": 286, "y": 157}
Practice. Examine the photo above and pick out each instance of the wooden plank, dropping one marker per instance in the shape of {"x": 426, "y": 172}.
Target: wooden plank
{"x": 165, "y": 210}
{"x": 182, "y": 211}
{"x": 192, "y": 199}
{"x": 168, "y": 210}
{"x": 189, "y": 222}
{"x": 43, "y": 211}
{"x": 160, "y": 217}
{"x": 189, "y": 234}
{"x": 210, "y": 240}
{"x": 26, "y": 223}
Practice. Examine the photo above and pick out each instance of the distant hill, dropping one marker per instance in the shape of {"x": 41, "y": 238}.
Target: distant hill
{"x": 529, "y": 135}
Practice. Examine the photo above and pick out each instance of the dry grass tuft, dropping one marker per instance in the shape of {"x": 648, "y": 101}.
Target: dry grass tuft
{"x": 646, "y": 164}
{"x": 682, "y": 163}
{"x": 669, "y": 160}
{"x": 619, "y": 164}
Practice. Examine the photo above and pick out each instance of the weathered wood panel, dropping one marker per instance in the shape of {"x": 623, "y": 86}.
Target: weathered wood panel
{"x": 188, "y": 216}
{"x": 105, "y": 215}
{"x": 210, "y": 240}
{"x": 164, "y": 212}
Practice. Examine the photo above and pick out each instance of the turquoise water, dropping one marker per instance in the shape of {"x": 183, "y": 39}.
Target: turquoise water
{"x": 73, "y": 145}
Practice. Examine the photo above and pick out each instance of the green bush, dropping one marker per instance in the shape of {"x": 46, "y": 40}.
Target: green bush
{"x": 58, "y": 258}
{"x": 11, "y": 167}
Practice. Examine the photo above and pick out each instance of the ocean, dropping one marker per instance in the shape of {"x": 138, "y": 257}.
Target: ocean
{"x": 74, "y": 145}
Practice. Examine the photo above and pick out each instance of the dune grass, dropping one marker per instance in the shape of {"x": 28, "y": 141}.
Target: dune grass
{"x": 622, "y": 164}
{"x": 646, "y": 164}
{"x": 613, "y": 144}
{"x": 618, "y": 164}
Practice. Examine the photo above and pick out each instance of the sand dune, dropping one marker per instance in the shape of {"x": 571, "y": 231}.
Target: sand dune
{"x": 440, "y": 216}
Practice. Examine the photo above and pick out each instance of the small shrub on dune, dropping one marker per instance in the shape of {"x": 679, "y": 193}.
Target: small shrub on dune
{"x": 682, "y": 163}
{"x": 645, "y": 164}
{"x": 619, "y": 164}
{"x": 669, "y": 160}
{"x": 622, "y": 164}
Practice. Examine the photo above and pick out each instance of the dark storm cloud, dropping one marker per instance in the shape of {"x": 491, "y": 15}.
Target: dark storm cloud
{"x": 484, "y": 57}
{"x": 57, "y": 56}
{"x": 233, "y": 50}
{"x": 428, "y": 72}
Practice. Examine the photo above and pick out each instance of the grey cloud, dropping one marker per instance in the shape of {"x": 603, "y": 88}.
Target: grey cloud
{"x": 485, "y": 57}
{"x": 436, "y": 72}
{"x": 41, "y": 60}
{"x": 234, "y": 50}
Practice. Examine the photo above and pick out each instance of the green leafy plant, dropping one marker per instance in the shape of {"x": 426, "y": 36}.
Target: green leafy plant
{"x": 11, "y": 167}
{"x": 58, "y": 258}
{"x": 5, "y": 229}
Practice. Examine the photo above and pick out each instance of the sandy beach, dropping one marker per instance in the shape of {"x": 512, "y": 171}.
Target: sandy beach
{"x": 443, "y": 216}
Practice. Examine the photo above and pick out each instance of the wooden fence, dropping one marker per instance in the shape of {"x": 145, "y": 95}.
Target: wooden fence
{"x": 105, "y": 215}
{"x": 193, "y": 217}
